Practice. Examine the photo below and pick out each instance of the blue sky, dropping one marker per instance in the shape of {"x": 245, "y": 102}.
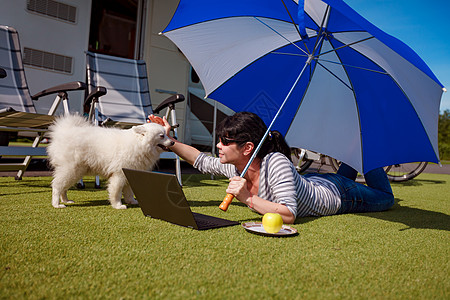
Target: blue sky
{"x": 422, "y": 25}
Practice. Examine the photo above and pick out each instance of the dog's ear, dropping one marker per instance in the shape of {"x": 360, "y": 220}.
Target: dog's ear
{"x": 139, "y": 130}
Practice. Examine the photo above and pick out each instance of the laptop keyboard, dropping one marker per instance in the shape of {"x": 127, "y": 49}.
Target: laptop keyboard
{"x": 204, "y": 220}
{"x": 204, "y": 223}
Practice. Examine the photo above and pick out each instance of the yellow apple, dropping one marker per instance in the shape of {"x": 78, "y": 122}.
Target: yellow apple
{"x": 272, "y": 222}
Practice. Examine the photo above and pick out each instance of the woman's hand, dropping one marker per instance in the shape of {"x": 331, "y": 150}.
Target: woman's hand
{"x": 238, "y": 187}
{"x": 161, "y": 121}
{"x": 155, "y": 119}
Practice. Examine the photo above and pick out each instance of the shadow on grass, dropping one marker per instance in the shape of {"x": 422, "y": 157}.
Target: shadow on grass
{"x": 19, "y": 187}
{"x": 89, "y": 203}
{"x": 93, "y": 203}
{"x": 419, "y": 182}
{"x": 413, "y": 217}
{"x": 216, "y": 203}
{"x": 21, "y": 193}
{"x": 195, "y": 203}
{"x": 409, "y": 216}
{"x": 304, "y": 220}
{"x": 253, "y": 219}
{"x": 26, "y": 183}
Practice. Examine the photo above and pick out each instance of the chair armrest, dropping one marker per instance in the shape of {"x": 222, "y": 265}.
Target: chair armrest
{"x": 7, "y": 110}
{"x": 2, "y": 73}
{"x": 169, "y": 102}
{"x": 95, "y": 94}
{"x": 71, "y": 86}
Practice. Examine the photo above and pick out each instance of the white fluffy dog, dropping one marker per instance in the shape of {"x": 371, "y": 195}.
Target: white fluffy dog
{"x": 78, "y": 148}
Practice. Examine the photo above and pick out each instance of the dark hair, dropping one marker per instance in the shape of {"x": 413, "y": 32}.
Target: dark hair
{"x": 243, "y": 127}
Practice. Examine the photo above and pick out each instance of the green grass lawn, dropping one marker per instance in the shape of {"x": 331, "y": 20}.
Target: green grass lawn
{"x": 91, "y": 251}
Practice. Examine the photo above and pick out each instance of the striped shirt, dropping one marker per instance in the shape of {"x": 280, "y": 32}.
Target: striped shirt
{"x": 279, "y": 182}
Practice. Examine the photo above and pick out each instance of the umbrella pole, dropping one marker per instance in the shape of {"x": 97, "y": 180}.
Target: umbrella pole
{"x": 228, "y": 198}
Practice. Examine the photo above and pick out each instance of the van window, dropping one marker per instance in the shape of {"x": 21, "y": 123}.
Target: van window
{"x": 114, "y": 27}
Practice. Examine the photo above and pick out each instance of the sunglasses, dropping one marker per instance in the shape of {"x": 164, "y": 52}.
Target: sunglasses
{"x": 226, "y": 141}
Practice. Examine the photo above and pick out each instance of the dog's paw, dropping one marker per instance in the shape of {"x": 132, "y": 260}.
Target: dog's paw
{"x": 132, "y": 201}
{"x": 67, "y": 201}
{"x": 59, "y": 206}
{"x": 120, "y": 206}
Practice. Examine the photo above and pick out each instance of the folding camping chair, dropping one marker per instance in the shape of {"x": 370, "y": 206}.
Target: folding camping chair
{"x": 127, "y": 102}
{"x": 17, "y": 110}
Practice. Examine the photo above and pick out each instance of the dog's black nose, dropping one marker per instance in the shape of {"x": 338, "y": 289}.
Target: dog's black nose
{"x": 172, "y": 143}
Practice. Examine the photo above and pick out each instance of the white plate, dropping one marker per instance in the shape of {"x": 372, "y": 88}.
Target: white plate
{"x": 257, "y": 228}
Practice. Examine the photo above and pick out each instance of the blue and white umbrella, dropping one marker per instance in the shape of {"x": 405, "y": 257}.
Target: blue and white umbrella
{"x": 318, "y": 72}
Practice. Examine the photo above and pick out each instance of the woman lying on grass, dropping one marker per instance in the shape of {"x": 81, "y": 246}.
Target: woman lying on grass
{"x": 272, "y": 184}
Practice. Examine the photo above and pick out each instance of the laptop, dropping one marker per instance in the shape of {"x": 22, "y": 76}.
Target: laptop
{"x": 160, "y": 196}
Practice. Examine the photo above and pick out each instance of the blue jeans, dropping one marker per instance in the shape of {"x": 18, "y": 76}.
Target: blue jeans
{"x": 358, "y": 198}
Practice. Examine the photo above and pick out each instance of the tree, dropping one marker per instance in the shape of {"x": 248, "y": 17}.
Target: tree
{"x": 444, "y": 135}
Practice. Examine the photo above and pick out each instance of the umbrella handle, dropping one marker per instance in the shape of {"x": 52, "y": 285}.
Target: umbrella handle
{"x": 226, "y": 202}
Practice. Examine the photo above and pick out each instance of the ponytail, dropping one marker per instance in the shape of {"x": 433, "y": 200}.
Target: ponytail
{"x": 278, "y": 144}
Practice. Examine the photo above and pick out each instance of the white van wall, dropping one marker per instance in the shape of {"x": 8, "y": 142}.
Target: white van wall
{"x": 50, "y": 34}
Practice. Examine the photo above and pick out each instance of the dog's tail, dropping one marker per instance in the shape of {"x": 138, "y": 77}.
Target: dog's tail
{"x": 62, "y": 133}
{"x": 65, "y": 125}
{"x": 69, "y": 121}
